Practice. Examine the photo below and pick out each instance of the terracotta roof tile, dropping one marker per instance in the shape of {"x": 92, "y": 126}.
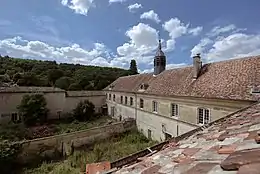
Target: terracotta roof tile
{"x": 200, "y": 154}
{"x": 232, "y": 79}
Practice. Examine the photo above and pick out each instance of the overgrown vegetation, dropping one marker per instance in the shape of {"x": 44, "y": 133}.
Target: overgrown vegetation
{"x": 84, "y": 111}
{"x": 8, "y": 156}
{"x": 16, "y": 132}
{"x": 65, "y": 76}
{"x": 33, "y": 109}
{"x": 111, "y": 149}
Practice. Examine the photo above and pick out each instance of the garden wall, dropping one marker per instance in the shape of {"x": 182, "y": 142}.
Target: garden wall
{"x": 64, "y": 144}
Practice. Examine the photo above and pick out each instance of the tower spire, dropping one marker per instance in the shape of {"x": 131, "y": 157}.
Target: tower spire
{"x": 160, "y": 44}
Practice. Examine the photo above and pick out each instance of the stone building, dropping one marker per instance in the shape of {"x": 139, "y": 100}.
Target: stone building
{"x": 58, "y": 101}
{"x": 168, "y": 103}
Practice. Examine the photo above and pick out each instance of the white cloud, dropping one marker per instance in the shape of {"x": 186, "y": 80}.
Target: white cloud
{"x": 150, "y": 15}
{"x": 195, "y": 31}
{"x": 176, "y": 29}
{"x": 201, "y": 46}
{"x": 132, "y": 7}
{"x": 18, "y": 47}
{"x": 143, "y": 40}
{"x": 216, "y": 31}
{"x": 234, "y": 45}
{"x": 116, "y": 1}
{"x": 79, "y": 6}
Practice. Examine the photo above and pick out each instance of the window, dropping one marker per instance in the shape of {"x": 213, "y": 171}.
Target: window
{"x": 155, "y": 106}
{"x": 15, "y": 117}
{"x": 121, "y": 99}
{"x": 175, "y": 110}
{"x": 203, "y": 116}
{"x": 125, "y": 100}
{"x": 109, "y": 96}
{"x": 114, "y": 97}
{"x": 149, "y": 134}
{"x": 141, "y": 103}
{"x": 112, "y": 111}
{"x": 131, "y": 101}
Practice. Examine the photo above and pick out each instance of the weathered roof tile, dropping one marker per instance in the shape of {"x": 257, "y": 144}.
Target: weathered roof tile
{"x": 232, "y": 79}
{"x": 198, "y": 153}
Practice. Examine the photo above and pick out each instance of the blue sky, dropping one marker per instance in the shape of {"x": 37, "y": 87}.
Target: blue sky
{"x": 112, "y": 32}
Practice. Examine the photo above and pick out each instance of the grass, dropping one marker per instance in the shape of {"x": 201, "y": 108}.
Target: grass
{"x": 109, "y": 150}
{"x": 61, "y": 128}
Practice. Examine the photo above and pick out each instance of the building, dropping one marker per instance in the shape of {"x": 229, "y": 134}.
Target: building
{"x": 59, "y": 102}
{"x": 168, "y": 103}
{"x": 228, "y": 146}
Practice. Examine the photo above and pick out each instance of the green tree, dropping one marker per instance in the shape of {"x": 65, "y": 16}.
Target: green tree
{"x": 84, "y": 111}
{"x": 33, "y": 109}
{"x": 74, "y": 87}
{"x": 63, "y": 83}
{"x": 54, "y": 74}
{"x": 133, "y": 67}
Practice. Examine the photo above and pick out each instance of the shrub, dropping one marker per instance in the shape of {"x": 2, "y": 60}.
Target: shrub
{"x": 13, "y": 132}
{"x": 84, "y": 111}
{"x": 33, "y": 109}
{"x": 8, "y": 155}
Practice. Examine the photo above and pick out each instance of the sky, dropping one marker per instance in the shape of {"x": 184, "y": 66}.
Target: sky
{"x": 112, "y": 32}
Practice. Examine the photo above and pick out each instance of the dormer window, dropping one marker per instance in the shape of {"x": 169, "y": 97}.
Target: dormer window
{"x": 144, "y": 86}
{"x": 255, "y": 90}
{"x": 111, "y": 87}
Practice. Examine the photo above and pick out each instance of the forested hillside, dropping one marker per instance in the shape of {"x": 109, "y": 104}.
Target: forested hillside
{"x": 25, "y": 72}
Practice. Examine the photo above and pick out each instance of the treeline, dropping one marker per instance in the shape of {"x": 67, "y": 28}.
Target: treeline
{"x": 25, "y": 72}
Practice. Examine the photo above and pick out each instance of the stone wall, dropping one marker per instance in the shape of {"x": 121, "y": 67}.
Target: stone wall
{"x": 33, "y": 149}
{"x": 59, "y": 102}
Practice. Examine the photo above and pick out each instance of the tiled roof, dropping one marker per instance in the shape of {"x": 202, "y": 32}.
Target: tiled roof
{"x": 29, "y": 89}
{"x": 225, "y": 147}
{"x": 232, "y": 79}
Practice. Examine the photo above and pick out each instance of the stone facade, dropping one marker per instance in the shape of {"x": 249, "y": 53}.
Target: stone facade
{"x": 59, "y": 102}
{"x": 155, "y": 118}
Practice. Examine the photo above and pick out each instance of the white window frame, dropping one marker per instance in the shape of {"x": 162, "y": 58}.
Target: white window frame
{"x": 203, "y": 116}
{"x": 175, "y": 110}
{"x": 155, "y": 106}
{"x": 141, "y": 103}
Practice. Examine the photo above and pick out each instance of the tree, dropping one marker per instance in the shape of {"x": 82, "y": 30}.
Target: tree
{"x": 54, "y": 74}
{"x": 133, "y": 67}
{"x": 63, "y": 83}
{"x": 74, "y": 87}
{"x": 33, "y": 109}
{"x": 46, "y": 73}
{"x": 84, "y": 111}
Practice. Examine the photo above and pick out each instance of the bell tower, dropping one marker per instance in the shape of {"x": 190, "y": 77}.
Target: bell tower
{"x": 159, "y": 60}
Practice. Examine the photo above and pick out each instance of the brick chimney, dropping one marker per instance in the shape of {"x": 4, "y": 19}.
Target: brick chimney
{"x": 197, "y": 64}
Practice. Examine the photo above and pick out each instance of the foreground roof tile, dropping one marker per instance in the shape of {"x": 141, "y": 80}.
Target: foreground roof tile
{"x": 201, "y": 154}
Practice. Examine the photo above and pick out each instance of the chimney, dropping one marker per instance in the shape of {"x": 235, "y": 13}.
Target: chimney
{"x": 197, "y": 64}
